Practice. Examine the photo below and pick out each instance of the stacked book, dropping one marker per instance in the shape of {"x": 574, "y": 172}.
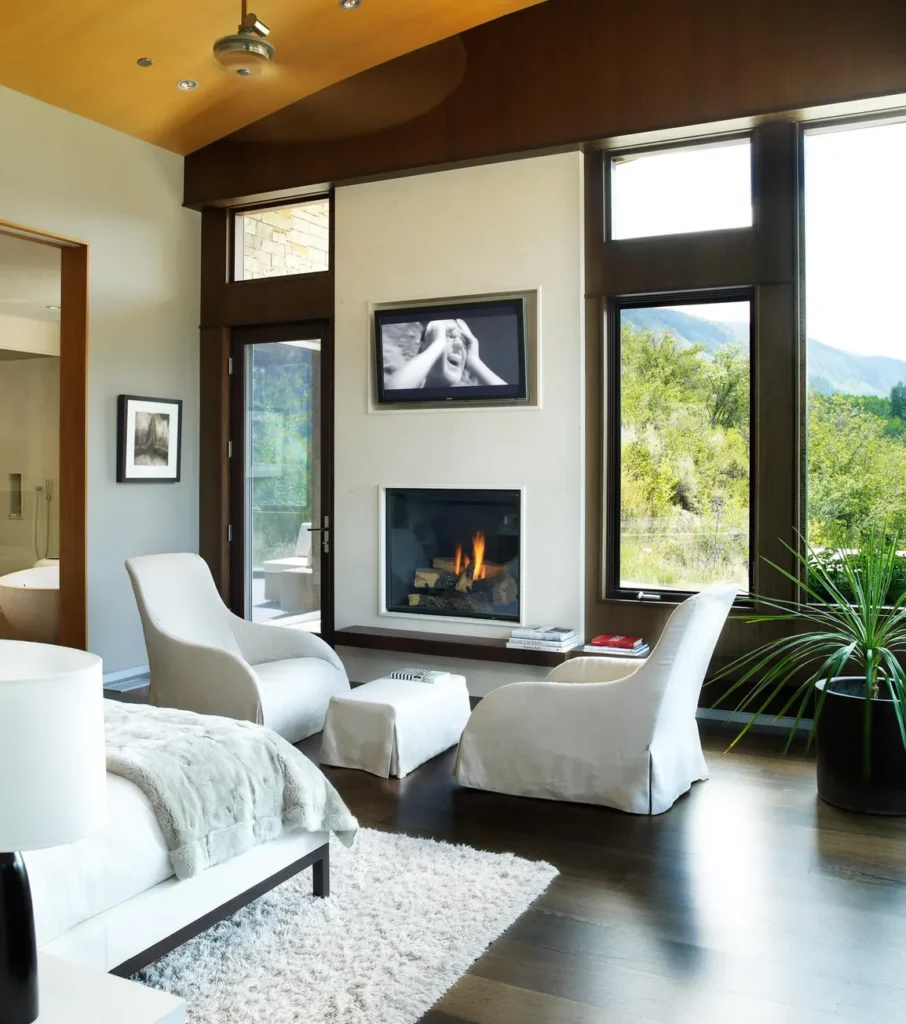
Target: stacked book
{"x": 555, "y": 639}
{"x": 421, "y": 675}
{"x": 614, "y": 644}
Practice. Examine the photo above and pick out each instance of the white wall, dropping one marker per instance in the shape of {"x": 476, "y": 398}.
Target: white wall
{"x": 67, "y": 175}
{"x": 506, "y": 227}
{"x": 36, "y": 337}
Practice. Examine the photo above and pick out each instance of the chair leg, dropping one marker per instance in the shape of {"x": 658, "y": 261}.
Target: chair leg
{"x": 321, "y": 875}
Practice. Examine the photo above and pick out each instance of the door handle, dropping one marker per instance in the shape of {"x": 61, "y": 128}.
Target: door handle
{"x": 325, "y": 540}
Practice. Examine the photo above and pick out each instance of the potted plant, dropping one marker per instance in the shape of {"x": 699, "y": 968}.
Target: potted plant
{"x": 849, "y": 633}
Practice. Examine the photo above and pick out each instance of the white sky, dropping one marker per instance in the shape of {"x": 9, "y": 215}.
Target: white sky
{"x": 725, "y": 312}
{"x": 855, "y": 196}
{"x": 855, "y": 225}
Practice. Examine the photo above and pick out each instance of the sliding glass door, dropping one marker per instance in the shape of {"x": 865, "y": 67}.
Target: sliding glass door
{"x": 280, "y": 531}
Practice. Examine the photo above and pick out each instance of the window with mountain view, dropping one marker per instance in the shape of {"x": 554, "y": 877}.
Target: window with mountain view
{"x": 683, "y": 459}
{"x": 855, "y": 223}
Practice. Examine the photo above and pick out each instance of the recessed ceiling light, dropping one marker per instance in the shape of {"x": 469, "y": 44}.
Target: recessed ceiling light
{"x": 350, "y": 5}
{"x": 187, "y": 84}
{"x": 51, "y": 307}
{"x": 144, "y": 62}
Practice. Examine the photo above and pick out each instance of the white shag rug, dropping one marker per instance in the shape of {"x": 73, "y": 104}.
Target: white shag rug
{"x": 405, "y": 919}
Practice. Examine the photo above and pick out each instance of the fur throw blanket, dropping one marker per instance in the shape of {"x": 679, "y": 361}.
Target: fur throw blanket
{"x": 218, "y": 786}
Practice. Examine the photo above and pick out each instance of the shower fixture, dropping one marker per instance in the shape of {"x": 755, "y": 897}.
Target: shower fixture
{"x": 45, "y": 492}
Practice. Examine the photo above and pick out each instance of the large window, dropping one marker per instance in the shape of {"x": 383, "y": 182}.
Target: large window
{"x": 282, "y": 240}
{"x": 680, "y": 190}
{"x": 681, "y": 444}
{"x": 855, "y": 223}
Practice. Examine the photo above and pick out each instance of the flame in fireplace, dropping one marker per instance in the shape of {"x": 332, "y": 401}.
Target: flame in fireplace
{"x": 478, "y": 541}
{"x": 457, "y": 561}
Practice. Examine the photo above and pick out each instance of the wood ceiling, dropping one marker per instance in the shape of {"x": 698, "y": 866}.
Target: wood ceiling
{"x": 82, "y": 56}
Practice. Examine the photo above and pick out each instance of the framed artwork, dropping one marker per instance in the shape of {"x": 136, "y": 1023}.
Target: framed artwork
{"x": 149, "y": 440}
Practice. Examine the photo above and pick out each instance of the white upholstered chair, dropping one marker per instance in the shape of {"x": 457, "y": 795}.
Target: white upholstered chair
{"x": 603, "y": 730}
{"x": 205, "y": 659}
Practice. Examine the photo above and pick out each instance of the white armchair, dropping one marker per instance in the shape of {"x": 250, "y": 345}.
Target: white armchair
{"x": 205, "y": 659}
{"x": 624, "y": 735}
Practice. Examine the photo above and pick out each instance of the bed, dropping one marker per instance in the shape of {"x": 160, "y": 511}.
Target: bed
{"x": 112, "y": 901}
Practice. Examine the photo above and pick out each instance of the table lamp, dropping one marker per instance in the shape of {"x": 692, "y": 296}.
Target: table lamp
{"x": 53, "y": 789}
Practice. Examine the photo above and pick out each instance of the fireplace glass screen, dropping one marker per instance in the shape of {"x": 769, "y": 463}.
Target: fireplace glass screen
{"x": 452, "y": 552}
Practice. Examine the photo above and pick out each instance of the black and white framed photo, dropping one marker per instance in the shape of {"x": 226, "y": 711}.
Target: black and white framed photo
{"x": 459, "y": 352}
{"x": 149, "y": 440}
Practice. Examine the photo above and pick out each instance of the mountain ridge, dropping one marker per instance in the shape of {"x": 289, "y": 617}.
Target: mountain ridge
{"x": 829, "y": 369}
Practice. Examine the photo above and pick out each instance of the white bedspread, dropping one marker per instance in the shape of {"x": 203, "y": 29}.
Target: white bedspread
{"x": 74, "y": 882}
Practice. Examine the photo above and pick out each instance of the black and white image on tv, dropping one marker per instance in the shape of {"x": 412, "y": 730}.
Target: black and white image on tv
{"x": 480, "y": 352}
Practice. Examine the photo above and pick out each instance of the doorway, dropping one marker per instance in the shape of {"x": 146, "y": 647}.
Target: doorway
{"x": 281, "y": 476}
{"x": 64, "y": 500}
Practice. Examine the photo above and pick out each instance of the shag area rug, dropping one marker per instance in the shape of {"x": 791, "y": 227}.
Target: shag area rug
{"x": 405, "y": 919}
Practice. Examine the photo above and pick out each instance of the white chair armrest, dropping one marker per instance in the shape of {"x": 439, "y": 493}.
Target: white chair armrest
{"x": 534, "y": 707}
{"x": 595, "y": 668}
{"x": 207, "y": 680}
{"x": 261, "y": 642}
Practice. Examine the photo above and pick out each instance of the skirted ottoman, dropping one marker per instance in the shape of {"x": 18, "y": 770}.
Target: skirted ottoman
{"x": 391, "y": 726}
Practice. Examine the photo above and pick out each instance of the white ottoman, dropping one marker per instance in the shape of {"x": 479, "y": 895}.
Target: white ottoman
{"x": 390, "y": 726}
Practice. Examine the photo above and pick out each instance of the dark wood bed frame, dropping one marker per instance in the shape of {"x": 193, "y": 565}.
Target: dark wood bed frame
{"x": 318, "y": 860}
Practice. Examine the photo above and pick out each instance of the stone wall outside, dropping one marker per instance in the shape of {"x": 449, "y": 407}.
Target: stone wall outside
{"x": 290, "y": 240}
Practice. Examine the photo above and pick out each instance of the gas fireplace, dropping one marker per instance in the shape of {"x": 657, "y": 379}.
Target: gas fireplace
{"x": 453, "y": 552}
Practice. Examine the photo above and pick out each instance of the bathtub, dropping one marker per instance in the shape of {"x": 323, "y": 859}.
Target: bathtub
{"x": 30, "y": 603}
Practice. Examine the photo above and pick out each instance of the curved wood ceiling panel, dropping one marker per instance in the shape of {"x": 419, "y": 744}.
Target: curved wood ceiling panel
{"x": 390, "y": 94}
{"x": 82, "y": 57}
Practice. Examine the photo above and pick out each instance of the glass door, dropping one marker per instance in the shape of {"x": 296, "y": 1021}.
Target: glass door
{"x": 280, "y": 531}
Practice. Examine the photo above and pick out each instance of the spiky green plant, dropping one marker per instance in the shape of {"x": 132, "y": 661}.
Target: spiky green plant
{"x": 853, "y": 618}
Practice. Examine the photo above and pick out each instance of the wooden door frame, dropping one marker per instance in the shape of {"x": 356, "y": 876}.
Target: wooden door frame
{"x": 73, "y": 483}
{"x": 241, "y": 338}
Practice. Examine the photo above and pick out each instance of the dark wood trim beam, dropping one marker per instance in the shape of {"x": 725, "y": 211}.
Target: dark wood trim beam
{"x": 679, "y": 263}
{"x": 443, "y": 645}
{"x": 565, "y": 72}
{"x": 272, "y": 300}
{"x": 73, "y": 487}
{"x": 214, "y": 435}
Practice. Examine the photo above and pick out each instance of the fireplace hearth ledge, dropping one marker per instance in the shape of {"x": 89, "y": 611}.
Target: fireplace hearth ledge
{"x": 444, "y": 645}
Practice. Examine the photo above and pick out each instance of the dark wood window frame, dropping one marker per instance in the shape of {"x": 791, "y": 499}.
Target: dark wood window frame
{"x": 225, "y": 307}
{"x": 761, "y": 261}
{"x": 613, "y": 587}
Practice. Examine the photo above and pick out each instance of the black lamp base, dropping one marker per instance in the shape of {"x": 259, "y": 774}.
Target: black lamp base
{"x": 18, "y": 950}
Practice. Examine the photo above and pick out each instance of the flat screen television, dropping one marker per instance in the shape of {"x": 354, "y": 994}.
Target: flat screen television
{"x": 462, "y": 352}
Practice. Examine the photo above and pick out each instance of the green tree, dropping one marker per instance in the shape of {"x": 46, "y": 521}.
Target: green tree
{"x": 659, "y": 374}
{"x": 898, "y": 400}
{"x": 685, "y": 461}
{"x": 727, "y": 381}
{"x": 856, "y": 470}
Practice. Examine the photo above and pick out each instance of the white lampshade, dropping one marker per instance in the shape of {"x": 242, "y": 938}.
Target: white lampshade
{"x": 53, "y": 786}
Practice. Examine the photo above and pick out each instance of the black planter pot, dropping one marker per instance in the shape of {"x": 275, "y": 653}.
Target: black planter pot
{"x": 842, "y": 780}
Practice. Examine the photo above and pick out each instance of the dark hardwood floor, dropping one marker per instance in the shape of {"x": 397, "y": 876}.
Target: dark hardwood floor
{"x": 750, "y": 902}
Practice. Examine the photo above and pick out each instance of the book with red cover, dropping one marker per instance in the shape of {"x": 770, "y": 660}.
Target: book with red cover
{"x": 625, "y": 643}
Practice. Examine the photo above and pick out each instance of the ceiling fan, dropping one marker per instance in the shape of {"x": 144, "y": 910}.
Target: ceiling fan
{"x": 247, "y": 52}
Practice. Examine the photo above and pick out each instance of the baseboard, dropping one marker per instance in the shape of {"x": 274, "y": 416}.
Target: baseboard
{"x": 126, "y": 678}
{"x": 786, "y": 723}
